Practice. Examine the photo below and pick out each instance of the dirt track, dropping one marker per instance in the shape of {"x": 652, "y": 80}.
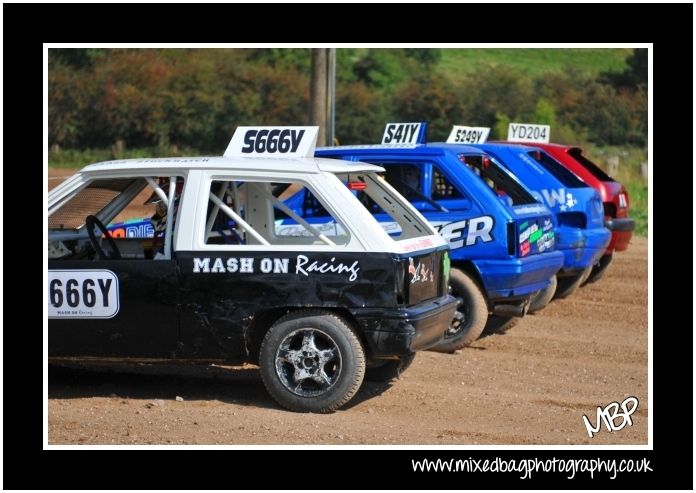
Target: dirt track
{"x": 530, "y": 385}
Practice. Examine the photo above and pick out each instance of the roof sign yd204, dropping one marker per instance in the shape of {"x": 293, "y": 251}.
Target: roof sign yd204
{"x": 468, "y": 135}
{"x": 528, "y": 132}
{"x": 404, "y": 133}
{"x": 273, "y": 142}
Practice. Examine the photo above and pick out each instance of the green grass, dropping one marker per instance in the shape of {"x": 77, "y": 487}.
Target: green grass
{"x": 457, "y": 62}
{"x": 638, "y": 194}
{"x": 628, "y": 172}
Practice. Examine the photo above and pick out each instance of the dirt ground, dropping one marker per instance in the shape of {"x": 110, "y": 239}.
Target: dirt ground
{"x": 530, "y": 385}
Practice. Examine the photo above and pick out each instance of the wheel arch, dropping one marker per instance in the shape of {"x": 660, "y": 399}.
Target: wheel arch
{"x": 264, "y": 319}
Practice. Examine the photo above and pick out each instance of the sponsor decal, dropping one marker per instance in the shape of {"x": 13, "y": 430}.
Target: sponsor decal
{"x": 419, "y": 273}
{"x": 532, "y": 234}
{"x": 557, "y": 197}
{"x": 303, "y": 265}
{"x": 528, "y": 132}
{"x": 468, "y": 135}
{"x": 524, "y": 248}
{"x": 414, "y": 244}
{"x": 467, "y": 231}
{"x": 82, "y": 294}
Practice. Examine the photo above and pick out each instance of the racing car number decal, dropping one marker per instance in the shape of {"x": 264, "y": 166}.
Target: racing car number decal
{"x": 285, "y": 142}
{"x": 401, "y": 133}
{"x": 82, "y": 294}
{"x": 468, "y": 135}
{"x": 527, "y": 132}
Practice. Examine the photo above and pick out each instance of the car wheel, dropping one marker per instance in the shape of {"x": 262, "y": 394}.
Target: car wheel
{"x": 389, "y": 369}
{"x": 497, "y": 324}
{"x": 311, "y": 361}
{"x": 568, "y": 285}
{"x": 543, "y": 297}
{"x": 470, "y": 317}
{"x": 600, "y": 268}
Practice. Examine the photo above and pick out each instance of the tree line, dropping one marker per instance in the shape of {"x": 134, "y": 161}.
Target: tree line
{"x": 195, "y": 98}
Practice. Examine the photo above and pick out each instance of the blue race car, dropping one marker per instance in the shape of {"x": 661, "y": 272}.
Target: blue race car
{"x": 578, "y": 210}
{"x": 502, "y": 238}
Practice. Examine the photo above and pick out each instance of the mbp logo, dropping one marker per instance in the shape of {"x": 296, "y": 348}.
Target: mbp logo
{"x": 610, "y": 414}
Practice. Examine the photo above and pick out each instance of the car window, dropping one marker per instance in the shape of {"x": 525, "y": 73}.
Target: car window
{"x": 562, "y": 174}
{"x": 79, "y": 225}
{"x": 499, "y": 179}
{"x": 442, "y": 188}
{"x": 251, "y": 213}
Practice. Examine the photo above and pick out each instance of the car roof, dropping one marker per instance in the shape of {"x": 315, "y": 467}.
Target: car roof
{"x": 297, "y": 165}
{"x": 397, "y": 149}
{"x": 505, "y": 145}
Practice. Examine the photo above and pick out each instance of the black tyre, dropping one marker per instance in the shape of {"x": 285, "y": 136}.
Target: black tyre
{"x": 543, "y": 297}
{"x": 497, "y": 324}
{"x": 311, "y": 361}
{"x": 600, "y": 268}
{"x": 389, "y": 369}
{"x": 568, "y": 285}
{"x": 470, "y": 317}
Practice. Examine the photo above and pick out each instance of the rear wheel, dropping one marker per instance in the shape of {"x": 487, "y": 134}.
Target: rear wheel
{"x": 600, "y": 268}
{"x": 470, "y": 317}
{"x": 568, "y": 285}
{"x": 311, "y": 361}
{"x": 543, "y": 297}
{"x": 497, "y": 324}
{"x": 389, "y": 369}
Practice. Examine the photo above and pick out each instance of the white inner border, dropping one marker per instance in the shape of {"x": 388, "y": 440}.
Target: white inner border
{"x": 649, "y": 46}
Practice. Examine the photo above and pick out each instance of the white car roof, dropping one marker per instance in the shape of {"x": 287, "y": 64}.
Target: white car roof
{"x": 299, "y": 165}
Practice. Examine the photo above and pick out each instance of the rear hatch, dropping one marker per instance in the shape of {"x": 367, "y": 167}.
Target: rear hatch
{"x": 532, "y": 230}
{"x": 422, "y": 277}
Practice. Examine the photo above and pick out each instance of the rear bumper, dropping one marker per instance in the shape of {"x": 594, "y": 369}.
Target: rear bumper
{"x": 621, "y": 233}
{"x": 518, "y": 277}
{"x": 581, "y": 248}
{"x": 394, "y": 332}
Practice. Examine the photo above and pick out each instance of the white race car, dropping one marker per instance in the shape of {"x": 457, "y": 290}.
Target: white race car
{"x": 317, "y": 310}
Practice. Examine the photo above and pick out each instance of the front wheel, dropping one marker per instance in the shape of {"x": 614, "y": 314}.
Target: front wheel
{"x": 311, "y": 361}
{"x": 470, "y": 317}
{"x": 543, "y": 297}
{"x": 389, "y": 369}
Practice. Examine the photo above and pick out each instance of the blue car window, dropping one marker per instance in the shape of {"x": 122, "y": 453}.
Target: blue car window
{"x": 442, "y": 188}
{"x": 562, "y": 174}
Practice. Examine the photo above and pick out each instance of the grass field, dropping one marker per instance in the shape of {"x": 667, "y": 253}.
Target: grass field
{"x": 456, "y": 62}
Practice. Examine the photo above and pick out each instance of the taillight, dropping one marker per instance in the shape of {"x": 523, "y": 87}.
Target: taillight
{"x": 400, "y": 282}
{"x": 357, "y": 185}
{"x": 512, "y": 238}
{"x": 623, "y": 200}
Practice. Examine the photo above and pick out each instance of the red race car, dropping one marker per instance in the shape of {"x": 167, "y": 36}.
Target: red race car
{"x": 614, "y": 196}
